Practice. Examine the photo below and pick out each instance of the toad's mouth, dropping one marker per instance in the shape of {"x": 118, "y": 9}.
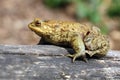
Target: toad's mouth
{"x": 35, "y": 29}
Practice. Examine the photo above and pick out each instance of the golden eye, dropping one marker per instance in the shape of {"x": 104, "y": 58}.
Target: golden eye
{"x": 37, "y": 22}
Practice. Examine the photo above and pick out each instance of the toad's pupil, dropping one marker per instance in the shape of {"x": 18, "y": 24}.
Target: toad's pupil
{"x": 37, "y": 23}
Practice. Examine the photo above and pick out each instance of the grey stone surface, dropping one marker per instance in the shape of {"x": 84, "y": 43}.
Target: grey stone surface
{"x": 47, "y": 62}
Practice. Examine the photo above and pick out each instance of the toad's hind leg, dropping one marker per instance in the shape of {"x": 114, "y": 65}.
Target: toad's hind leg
{"x": 79, "y": 48}
{"x": 100, "y": 52}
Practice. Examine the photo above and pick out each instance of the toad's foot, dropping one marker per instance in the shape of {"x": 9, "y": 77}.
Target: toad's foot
{"x": 74, "y": 56}
{"x": 90, "y": 53}
{"x": 98, "y": 53}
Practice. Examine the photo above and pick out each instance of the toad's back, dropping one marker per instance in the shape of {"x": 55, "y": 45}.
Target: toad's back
{"x": 64, "y": 26}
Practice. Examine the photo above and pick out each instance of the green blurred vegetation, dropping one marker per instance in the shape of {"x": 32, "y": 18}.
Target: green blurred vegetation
{"x": 114, "y": 9}
{"x": 88, "y": 10}
{"x": 84, "y": 8}
{"x": 56, "y": 3}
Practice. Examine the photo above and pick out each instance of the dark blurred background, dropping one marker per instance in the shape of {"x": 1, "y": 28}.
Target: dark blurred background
{"x": 15, "y": 15}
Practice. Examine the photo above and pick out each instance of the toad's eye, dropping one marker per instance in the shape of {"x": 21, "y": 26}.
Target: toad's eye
{"x": 37, "y": 22}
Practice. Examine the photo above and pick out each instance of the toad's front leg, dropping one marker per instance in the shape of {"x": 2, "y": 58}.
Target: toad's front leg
{"x": 79, "y": 48}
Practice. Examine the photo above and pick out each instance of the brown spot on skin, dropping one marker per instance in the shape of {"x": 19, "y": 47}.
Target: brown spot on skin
{"x": 46, "y": 21}
{"x": 56, "y": 26}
